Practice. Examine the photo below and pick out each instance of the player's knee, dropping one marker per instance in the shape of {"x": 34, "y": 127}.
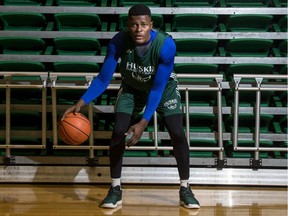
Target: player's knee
{"x": 117, "y": 137}
{"x": 178, "y": 138}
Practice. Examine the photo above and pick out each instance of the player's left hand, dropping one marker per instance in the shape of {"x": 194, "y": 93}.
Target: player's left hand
{"x": 135, "y": 132}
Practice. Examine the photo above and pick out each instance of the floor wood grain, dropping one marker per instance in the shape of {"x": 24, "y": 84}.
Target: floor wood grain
{"x": 139, "y": 200}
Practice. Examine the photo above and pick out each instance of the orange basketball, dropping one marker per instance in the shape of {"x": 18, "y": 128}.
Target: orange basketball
{"x": 74, "y": 129}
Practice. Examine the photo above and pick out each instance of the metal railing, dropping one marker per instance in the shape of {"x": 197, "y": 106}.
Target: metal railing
{"x": 146, "y": 135}
{"x": 8, "y": 85}
{"x": 258, "y": 89}
{"x": 155, "y": 135}
{"x": 154, "y": 10}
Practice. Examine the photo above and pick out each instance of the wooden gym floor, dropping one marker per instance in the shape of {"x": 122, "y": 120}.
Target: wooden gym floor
{"x": 139, "y": 200}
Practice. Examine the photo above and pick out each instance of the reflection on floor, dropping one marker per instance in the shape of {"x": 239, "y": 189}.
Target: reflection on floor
{"x": 139, "y": 200}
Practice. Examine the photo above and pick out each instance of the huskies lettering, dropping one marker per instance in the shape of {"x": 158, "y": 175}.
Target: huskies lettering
{"x": 140, "y": 73}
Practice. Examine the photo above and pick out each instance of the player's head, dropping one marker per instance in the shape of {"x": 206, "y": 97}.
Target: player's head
{"x": 140, "y": 23}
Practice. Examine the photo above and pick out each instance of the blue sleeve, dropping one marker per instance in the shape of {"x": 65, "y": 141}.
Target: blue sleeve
{"x": 164, "y": 70}
{"x": 101, "y": 82}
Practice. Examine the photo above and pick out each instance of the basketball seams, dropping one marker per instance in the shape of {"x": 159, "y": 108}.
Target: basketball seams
{"x": 68, "y": 137}
{"x": 74, "y": 129}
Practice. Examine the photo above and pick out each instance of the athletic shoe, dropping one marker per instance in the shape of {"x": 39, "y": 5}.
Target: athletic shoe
{"x": 187, "y": 198}
{"x": 113, "y": 198}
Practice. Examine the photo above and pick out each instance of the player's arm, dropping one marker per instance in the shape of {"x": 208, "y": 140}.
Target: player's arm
{"x": 101, "y": 82}
{"x": 162, "y": 76}
{"x": 164, "y": 70}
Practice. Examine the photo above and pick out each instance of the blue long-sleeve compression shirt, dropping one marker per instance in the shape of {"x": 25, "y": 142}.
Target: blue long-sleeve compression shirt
{"x": 163, "y": 72}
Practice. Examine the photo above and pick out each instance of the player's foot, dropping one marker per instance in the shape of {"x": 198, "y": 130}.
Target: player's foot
{"x": 113, "y": 198}
{"x": 187, "y": 198}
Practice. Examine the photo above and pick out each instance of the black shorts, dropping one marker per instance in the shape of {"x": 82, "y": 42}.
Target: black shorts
{"x": 133, "y": 102}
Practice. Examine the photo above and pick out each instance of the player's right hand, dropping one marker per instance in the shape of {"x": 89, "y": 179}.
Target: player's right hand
{"x": 75, "y": 109}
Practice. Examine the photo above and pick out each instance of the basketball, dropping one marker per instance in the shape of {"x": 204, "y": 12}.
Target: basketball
{"x": 74, "y": 129}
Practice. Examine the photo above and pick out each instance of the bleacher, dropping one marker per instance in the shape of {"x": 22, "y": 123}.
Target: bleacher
{"x": 231, "y": 64}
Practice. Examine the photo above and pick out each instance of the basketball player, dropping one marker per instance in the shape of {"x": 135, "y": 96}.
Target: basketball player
{"x": 148, "y": 85}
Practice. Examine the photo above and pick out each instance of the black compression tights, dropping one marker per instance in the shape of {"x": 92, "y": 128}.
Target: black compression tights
{"x": 174, "y": 125}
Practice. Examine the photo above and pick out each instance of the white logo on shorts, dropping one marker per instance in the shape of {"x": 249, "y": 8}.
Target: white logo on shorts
{"x": 171, "y": 104}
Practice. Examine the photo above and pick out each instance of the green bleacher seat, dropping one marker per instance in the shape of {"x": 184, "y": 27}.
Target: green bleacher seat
{"x": 196, "y": 47}
{"x": 201, "y": 154}
{"x": 280, "y": 124}
{"x": 23, "y": 21}
{"x": 247, "y": 23}
{"x": 247, "y": 47}
{"x": 283, "y": 98}
{"x": 194, "y": 23}
{"x": 280, "y": 50}
{"x": 149, "y": 3}
{"x": 280, "y": 98}
{"x": 247, "y": 154}
{"x": 21, "y": 66}
{"x": 76, "y": 46}
{"x": 107, "y": 98}
{"x": 21, "y": 95}
{"x": 76, "y": 67}
{"x": 246, "y": 123}
{"x": 22, "y": 120}
{"x": 72, "y": 95}
{"x": 80, "y": 3}
{"x": 77, "y": 22}
{"x": 22, "y": 45}
{"x": 283, "y": 69}
{"x": 202, "y": 122}
{"x": 281, "y": 24}
{"x": 197, "y": 98}
{"x": 195, "y": 68}
{"x": 202, "y": 143}
{"x": 280, "y": 154}
{"x": 244, "y": 3}
{"x": 192, "y": 3}
{"x": 157, "y": 19}
{"x": 103, "y": 121}
{"x": 131, "y": 153}
{"x": 246, "y": 98}
{"x": 73, "y": 67}
{"x": 200, "y": 98}
{"x": 24, "y": 2}
{"x": 284, "y": 154}
{"x": 250, "y": 68}
{"x": 280, "y": 3}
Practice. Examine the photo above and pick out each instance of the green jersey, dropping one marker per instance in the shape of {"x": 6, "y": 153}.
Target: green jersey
{"x": 138, "y": 70}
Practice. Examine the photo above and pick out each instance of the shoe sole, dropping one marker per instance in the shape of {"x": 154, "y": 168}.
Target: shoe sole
{"x": 111, "y": 205}
{"x": 190, "y": 206}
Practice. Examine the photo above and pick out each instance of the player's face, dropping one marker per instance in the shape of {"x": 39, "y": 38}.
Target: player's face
{"x": 139, "y": 27}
